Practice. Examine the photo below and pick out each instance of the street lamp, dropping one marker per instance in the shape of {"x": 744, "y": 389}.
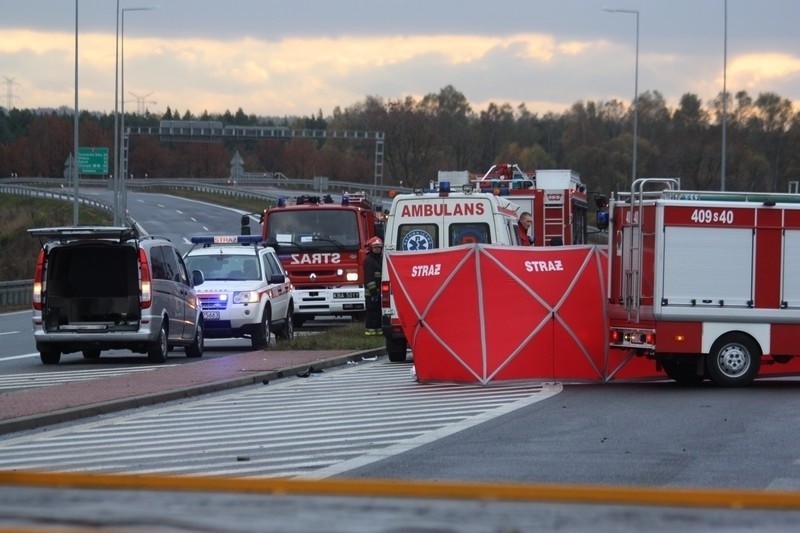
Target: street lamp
{"x": 635, "y": 86}
{"x": 75, "y": 171}
{"x": 119, "y": 142}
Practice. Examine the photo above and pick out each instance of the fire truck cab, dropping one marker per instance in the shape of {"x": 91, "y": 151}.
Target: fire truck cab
{"x": 439, "y": 218}
{"x": 322, "y": 244}
{"x": 705, "y": 283}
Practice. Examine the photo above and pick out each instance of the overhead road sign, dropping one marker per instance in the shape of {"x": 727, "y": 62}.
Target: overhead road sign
{"x": 92, "y": 160}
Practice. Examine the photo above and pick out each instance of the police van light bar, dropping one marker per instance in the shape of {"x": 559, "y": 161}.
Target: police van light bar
{"x": 226, "y": 239}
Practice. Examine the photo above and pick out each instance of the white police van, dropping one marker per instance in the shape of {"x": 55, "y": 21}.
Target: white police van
{"x": 245, "y": 292}
{"x": 439, "y": 218}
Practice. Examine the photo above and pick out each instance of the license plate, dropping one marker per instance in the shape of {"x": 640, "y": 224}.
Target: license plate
{"x": 211, "y": 315}
{"x": 343, "y": 295}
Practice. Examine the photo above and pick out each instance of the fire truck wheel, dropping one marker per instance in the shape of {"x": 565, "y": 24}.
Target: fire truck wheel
{"x": 733, "y": 361}
{"x": 683, "y": 370}
{"x": 260, "y": 337}
{"x": 91, "y": 354}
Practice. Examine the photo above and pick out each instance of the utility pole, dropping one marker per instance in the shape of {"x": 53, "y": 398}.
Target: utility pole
{"x": 10, "y": 96}
{"x": 141, "y": 101}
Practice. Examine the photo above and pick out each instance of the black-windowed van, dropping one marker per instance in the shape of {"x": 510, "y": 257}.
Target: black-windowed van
{"x": 102, "y": 288}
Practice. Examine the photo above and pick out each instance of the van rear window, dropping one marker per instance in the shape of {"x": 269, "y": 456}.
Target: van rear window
{"x": 417, "y": 237}
{"x": 469, "y": 233}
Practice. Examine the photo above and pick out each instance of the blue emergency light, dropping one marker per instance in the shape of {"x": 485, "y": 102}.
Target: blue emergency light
{"x": 226, "y": 239}
{"x": 281, "y": 201}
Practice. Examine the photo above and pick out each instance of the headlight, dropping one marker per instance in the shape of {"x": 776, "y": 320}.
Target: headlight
{"x": 245, "y": 297}
{"x": 352, "y": 276}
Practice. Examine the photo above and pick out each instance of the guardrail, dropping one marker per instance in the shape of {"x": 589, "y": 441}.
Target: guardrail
{"x": 54, "y": 194}
{"x": 16, "y": 293}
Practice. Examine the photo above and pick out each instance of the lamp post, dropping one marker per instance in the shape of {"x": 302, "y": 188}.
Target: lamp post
{"x": 121, "y": 151}
{"x": 635, "y": 86}
{"x": 115, "y": 170}
{"x": 723, "y": 169}
{"x": 75, "y": 170}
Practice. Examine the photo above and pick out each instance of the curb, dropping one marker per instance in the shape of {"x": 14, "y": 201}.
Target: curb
{"x": 84, "y": 411}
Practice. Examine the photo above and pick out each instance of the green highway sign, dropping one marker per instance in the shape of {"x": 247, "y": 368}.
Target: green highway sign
{"x": 93, "y": 160}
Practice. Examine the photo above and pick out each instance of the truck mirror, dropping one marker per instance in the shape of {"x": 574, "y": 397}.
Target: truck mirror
{"x": 600, "y": 201}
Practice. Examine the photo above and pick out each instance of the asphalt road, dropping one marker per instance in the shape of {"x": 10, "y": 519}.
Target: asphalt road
{"x": 648, "y": 436}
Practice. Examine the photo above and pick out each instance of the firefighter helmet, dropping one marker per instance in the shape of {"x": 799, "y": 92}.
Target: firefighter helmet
{"x": 374, "y": 241}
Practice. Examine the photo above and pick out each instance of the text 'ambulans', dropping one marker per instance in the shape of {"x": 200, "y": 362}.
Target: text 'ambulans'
{"x": 443, "y": 210}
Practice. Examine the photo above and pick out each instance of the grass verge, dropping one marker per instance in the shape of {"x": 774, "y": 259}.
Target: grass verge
{"x": 348, "y": 337}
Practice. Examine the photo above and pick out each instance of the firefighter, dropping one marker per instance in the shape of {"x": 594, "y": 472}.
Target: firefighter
{"x": 372, "y": 286}
{"x": 523, "y": 226}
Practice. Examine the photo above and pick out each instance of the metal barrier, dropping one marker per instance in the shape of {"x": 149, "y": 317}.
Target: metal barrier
{"x": 16, "y": 293}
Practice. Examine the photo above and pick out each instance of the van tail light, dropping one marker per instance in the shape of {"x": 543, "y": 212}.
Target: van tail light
{"x": 386, "y": 290}
{"x": 145, "y": 282}
{"x": 38, "y": 279}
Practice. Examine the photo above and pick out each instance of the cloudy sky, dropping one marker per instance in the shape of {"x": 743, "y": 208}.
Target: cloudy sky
{"x": 296, "y": 57}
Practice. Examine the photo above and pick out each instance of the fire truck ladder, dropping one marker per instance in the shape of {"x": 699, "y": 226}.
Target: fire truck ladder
{"x": 554, "y": 222}
{"x": 635, "y": 236}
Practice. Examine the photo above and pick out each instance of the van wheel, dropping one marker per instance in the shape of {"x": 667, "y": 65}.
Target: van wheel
{"x": 396, "y": 349}
{"x": 50, "y": 357}
{"x": 287, "y": 331}
{"x": 733, "y": 361}
{"x": 260, "y": 337}
{"x": 157, "y": 352}
{"x": 91, "y": 354}
{"x": 196, "y": 348}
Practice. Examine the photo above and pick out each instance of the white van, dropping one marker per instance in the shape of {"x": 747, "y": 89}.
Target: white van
{"x": 439, "y": 218}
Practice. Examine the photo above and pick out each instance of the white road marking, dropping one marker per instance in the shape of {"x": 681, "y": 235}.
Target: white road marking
{"x": 312, "y": 427}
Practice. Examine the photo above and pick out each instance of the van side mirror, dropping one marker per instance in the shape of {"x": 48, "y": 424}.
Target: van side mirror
{"x": 197, "y": 278}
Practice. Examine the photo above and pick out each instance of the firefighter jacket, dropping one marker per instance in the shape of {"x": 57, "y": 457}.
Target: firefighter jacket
{"x": 372, "y": 273}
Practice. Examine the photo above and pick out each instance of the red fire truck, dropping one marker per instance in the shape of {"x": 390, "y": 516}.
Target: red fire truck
{"x": 706, "y": 283}
{"x": 322, "y": 244}
{"x": 556, "y": 200}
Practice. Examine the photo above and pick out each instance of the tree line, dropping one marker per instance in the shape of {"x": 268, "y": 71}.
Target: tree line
{"x": 441, "y": 131}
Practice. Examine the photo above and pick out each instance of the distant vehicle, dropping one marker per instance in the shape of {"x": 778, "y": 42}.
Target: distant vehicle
{"x": 245, "y": 290}
{"x": 100, "y": 288}
{"x": 322, "y": 246}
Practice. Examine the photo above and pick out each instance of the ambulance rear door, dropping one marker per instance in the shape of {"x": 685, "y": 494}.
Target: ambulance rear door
{"x": 431, "y": 222}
